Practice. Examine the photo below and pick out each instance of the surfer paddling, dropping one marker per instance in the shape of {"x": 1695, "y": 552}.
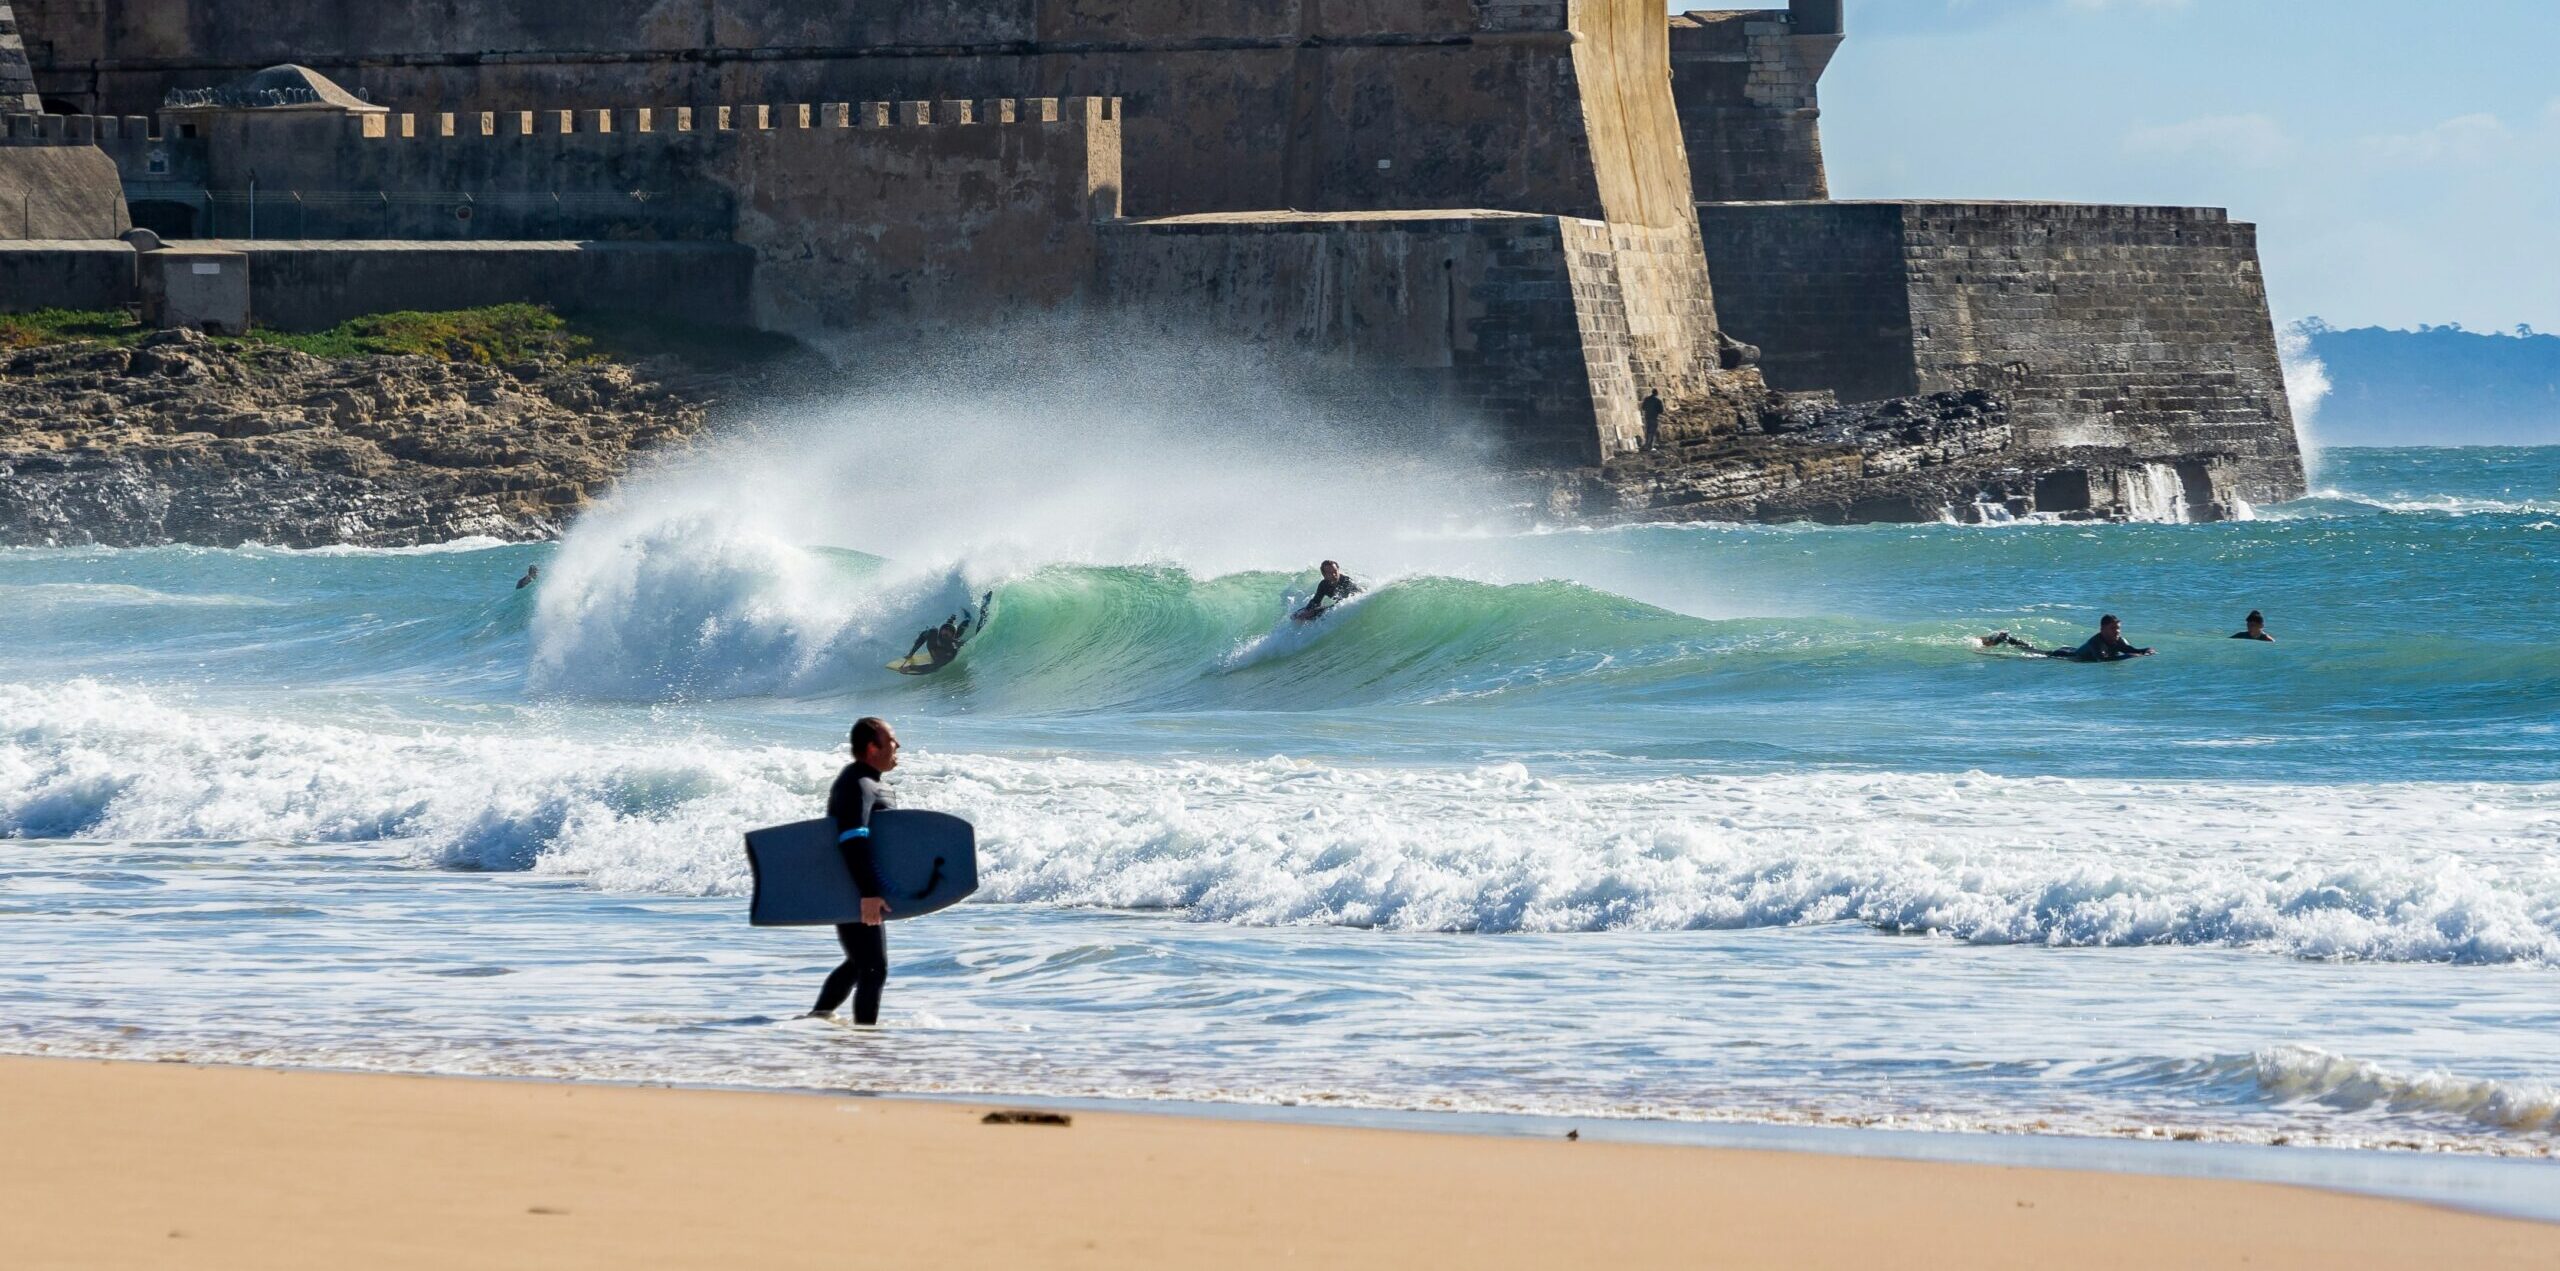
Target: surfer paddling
{"x": 1336, "y": 588}
{"x": 2108, "y": 645}
{"x": 2256, "y": 630}
{"x": 857, "y": 794}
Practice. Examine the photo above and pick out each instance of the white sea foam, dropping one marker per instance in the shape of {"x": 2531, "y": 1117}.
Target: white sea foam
{"x": 2384, "y": 872}
{"x": 467, "y": 543}
{"x": 2307, "y": 1074}
{"x": 122, "y": 596}
{"x": 2426, "y": 505}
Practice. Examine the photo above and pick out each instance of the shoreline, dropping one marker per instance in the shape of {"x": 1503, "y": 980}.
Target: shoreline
{"x": 138, "y": 1163}
{"x": 2517, "y": 1176}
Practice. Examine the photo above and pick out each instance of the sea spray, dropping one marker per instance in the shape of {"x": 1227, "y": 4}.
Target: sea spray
{"x": 2306, "y": 386}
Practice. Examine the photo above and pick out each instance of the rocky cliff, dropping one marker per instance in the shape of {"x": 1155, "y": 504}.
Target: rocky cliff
{"x": 180, "y": 439}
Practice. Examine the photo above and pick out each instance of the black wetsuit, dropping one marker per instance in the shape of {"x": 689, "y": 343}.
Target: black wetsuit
{"x": 1330, "y": 592}
{"x": 943, "y": 642}
{"x": 2100, "y": 648}
{"x": 857, "y": 794}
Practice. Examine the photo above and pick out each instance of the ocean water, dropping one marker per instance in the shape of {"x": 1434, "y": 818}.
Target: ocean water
{"x": 1690, "y": 823}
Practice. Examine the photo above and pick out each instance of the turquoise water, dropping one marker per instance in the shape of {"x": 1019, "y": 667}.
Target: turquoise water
{"x": 1724, "y": 823}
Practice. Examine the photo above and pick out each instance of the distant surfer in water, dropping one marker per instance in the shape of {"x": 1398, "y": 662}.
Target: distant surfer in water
{"x": 531, "y": 572}
{"x": 2257, "y": 629}
{"x": 1336, "y": 588}
{"x": 943, "y": 642}
{"x": 857, "y": 794}
{"x": 2107, "y": 646}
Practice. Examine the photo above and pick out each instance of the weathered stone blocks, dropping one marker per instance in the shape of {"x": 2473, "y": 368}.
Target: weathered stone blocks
{"x": 2133, "y": 327}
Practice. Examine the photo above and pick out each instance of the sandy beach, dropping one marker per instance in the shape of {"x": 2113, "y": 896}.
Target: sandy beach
{"x": 169, "y": 1165}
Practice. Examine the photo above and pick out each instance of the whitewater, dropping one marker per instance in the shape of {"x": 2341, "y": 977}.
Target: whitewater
{"x": 1706, "y": 823}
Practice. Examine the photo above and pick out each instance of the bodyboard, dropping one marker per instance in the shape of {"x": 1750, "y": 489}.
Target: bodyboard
{"x": 928, "y": 861}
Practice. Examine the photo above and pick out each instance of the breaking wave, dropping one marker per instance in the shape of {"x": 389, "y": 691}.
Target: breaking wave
{"x": 2307, "y": 1076}
{"x": 701, "y": 610}
{"x": 2335, "y": 502}
{"x": 2387, "y": 873}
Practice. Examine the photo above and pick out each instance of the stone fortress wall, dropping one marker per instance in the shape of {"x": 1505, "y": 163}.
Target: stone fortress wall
{"x": 1233, "y": 105}
{"x": 2139, "y": 327}
{"x": 1506, "y": 211}
{"x": 887, "y": 212}
{"x": 2142, "y": 329}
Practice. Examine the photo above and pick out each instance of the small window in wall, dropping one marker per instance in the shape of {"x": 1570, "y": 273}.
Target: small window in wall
{"x": 159, "y": 164}
{"x": 186, "y": 130}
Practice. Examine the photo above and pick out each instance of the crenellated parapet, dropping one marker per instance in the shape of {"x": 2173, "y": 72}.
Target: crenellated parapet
{"x": 54, "y": 181}
{"x": 715, "y": 124}
{"x": 643, "y": 172}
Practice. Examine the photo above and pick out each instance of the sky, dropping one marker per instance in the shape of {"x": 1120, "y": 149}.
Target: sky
{"x": 2401, "y": 159}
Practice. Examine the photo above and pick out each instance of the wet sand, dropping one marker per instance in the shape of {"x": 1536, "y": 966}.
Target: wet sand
{"x": 171, "y": 1165}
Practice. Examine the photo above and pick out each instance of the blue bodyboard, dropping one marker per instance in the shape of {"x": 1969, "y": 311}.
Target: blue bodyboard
{"x": 928, "y": 861}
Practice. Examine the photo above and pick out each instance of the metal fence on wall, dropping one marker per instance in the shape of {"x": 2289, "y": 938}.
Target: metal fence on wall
{"x": 185, "y": 211}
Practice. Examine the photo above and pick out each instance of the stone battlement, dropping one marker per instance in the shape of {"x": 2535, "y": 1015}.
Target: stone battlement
{"x": 28, "y": 129}
{"x": 802, "y": 117}
{"x": 180, "y": 123}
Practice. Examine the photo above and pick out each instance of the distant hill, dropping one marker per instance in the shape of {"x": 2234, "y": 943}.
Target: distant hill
{"x": 2440, "y": 386}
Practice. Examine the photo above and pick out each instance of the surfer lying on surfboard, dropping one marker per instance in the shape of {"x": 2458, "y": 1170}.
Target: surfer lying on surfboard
{"x": 1336, "y": 588}
{"x": 942, "y": 643}
{"x": 2107, "y": 646}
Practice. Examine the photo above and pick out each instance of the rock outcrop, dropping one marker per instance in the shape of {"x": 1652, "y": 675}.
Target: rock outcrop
{"x": 181, "y": 439}
{"x": 1946, "y": 456}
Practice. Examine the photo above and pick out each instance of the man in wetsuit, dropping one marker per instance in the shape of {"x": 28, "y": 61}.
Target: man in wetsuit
{"x": 2257, "y": 629}
{"x": 942, "y": 641}
{"x": 945, "y": 640}
{"x": 1336, "y": 588}
{"x": 858, "y": 794}
{"x": 2107, "y": 646}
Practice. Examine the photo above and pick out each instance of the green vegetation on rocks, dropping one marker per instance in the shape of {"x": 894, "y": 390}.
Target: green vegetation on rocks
{"x": 491, "y": 336}
{"x": 67, "y": 326}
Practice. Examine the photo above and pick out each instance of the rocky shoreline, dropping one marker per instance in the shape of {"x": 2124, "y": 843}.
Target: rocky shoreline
{"x": 182, "y": 439}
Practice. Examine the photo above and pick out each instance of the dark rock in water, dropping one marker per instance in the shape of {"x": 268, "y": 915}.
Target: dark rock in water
{"x": 183, "y": 439}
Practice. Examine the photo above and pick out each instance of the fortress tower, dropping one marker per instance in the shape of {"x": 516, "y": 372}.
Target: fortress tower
{"x": 1746, "y": 81}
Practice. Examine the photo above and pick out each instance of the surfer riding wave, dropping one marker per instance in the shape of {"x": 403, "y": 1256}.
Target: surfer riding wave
{"x": 942, "y": 644}
{"x": 1335, "y": 588}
